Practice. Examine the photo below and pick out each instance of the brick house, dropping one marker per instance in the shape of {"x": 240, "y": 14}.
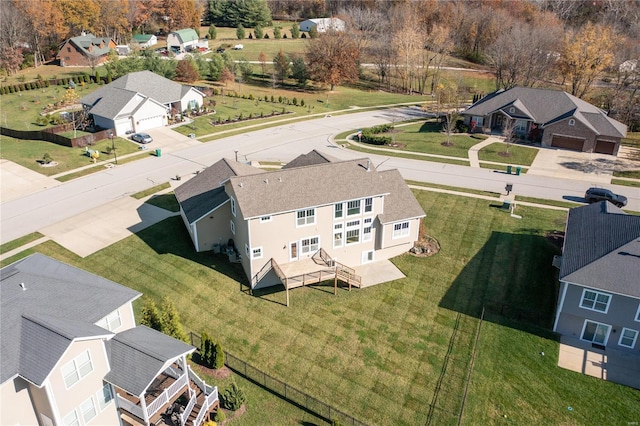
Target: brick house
{"x": 85, "y": 50}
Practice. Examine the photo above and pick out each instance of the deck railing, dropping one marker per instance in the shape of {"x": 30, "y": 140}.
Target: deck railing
{"x": 277, "y": 270}
{"x": 130, "y": 407}
{"x": 206, "y": 405}
{"x": 166, "y": 395}
{"x": 187, "y": 410}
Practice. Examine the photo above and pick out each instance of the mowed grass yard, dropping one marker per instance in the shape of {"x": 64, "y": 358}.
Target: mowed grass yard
{"x": 378, "y": 353}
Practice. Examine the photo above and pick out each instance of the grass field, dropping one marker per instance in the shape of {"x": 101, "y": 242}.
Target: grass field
{"x": 519, "y": 154}
{"x": 378, "y": 353}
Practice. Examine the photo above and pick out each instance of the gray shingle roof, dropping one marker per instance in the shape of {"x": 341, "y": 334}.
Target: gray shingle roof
{"x": 314, "y": 157}
{"x": 137, "y": 356}
{"x": 314, "y": 185}
{"x": 602, "y": 249}
{"x": 400, "y": 203}
{"x": 546, "y": 106}
{"x": 55, "y": 294}
{"x": 108, "y": 102}
{"x": 204, "y": 192}
{"x": 85, "y": 42}
{"x": 151, "y": 85}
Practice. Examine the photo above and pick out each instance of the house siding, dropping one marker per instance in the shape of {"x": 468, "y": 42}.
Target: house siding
{"x": 214, "y": 228}
{"x": 620, "y": 314}
{"x": 578, "y": 130}
{"x": 69, "y": 399}
{"x": 191, "y": 95}
{"x": 15, "y": 404}
{"x": 149, "y": 116}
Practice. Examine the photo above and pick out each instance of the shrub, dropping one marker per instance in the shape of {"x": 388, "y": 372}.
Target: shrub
{"x": 272, "y": 98}
{"x": 280, "y": 99}
{"x": 294, "y": 101}
{"x": 233, "y": 397}
{"x": 46, "y": 158}
{"x": 241, "y": 117}
{"x": 218, "y": 361}
{"x": 301, "y": 102}
{"x": 219, "y": 417}
{"x": 251, "y": 96}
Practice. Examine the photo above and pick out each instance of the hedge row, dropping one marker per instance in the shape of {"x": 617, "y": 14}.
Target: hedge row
{"x": 369, "y": 135}
{"x": 41, "y": 84}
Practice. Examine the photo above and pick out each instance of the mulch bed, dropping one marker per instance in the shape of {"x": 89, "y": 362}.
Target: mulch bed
{"x": 556, "y": 238}
{"x": 426, "y": 246}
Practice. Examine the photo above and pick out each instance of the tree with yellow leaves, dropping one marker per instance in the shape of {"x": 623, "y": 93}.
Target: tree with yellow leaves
{"x": 586, "y": 54}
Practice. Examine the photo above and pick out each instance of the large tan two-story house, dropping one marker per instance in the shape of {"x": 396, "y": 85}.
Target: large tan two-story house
{"x": 553, "y": 117}
{"x": 315, "y": 208}
{"x": 71, "y": 354}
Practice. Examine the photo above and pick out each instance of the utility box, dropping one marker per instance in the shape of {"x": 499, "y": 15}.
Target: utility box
{"x": 158, "y": 152}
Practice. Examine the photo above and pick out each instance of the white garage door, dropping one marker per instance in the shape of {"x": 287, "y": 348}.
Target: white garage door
{"x": 149, "y": 123}
{"x": 123, "y": 125}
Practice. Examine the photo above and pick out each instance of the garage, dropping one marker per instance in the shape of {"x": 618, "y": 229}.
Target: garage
{"x": 147, "y": 123}
{"x": 567, "y": 142}
{"x": 605, "y": 147}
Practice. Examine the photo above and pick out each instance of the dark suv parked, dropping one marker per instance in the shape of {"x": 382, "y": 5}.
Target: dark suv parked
{"x": 593, "y": 195}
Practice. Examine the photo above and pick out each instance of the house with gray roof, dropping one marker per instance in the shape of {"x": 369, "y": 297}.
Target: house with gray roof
{"x": 553, "y": 117}
{"x": 139, "y": 101}
{"x": 85, "y": 50}
{"x": 599, "y": 299}
{"x": 71, "y": 354}
{"x": 316, "y": 206}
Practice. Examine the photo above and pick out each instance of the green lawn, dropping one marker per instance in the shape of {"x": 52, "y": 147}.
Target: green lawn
{"x": 404, "y": 154}
{"x": 19, "y": 242}
{"x": 631, "y": 183}
{"x": 517, "y": 154}
{"x": 378, "y": 353}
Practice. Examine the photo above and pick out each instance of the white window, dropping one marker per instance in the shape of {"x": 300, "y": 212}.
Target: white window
{"x": 77, "y": 369}
{"x": 256, "y": 253}
{"x": 71, "y": 419}
{"x": 520, "y": 126}
{"x": 595, "y": 332}
{"x": 638, "y": 314}
{"x": 88, "y": 409}
{"x": 306, "y": 217}
{"x": 595, "y": 301}
{"x": 353, "y": 232}
{"x": 628, "y": 338}
{"x": 233, "y": 227}
{"x": 337, "y": 210}
{"x": 366, "y": 230}
{"x": 572, "y": 122}
{"x": 309, "y": 245}
{"x": 353, "y": 208}
{"x": 111, "y": 322}
{"x": 105, "y": 396}
{"x": 400, "y": 230}
{"x": 479, "y": 120}
{"x": 368, "y": 205}
{"x": 265, "y": 219}
{"x": 338, "y": 235}
{"x": 233, "y": 207}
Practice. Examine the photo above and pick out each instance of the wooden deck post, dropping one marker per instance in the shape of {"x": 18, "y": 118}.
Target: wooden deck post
{"x": 349, "y": 279}
{"x": 335, "y": 284}
{"x": 286, "y": 286}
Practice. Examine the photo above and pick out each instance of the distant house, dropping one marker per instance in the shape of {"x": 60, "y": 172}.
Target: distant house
{"x": 555, "y": 117}
{"x": 316, "y": 207}
{"x": 599, "y": 301}
{"x": 71, "y": 353}
{"x": 182, "y": 40}
{"x": 85, "y": 50}
{"x": 322, "y": 25}
{"x": 139, "y": 101}
{"x": 144, "y": 40}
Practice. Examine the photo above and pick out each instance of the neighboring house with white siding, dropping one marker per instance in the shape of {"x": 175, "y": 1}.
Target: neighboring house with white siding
{"x": 322, "y": 25}
{"x": 599, "y": 298}
{"x": 139, "y": 101}
{"x": 71, "y": 353}
{"x": 315, "y": 206}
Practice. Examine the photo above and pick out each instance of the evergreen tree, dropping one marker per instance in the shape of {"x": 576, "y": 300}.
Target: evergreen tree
{"x": 313, "y": 32}
{"x": 240, "y": 34}
{"x": 233, "y": 397}
{"x": 295, "y": 31}
{"x": 213, "y": 33}
{"x": 277, "y": 32}
{"x": 258, "y": 32}
{"x": 218, "y": 361}
{"x": 170, "y": 320}
{"x": 151, "y": 315}
{"x": 299, "y": 71}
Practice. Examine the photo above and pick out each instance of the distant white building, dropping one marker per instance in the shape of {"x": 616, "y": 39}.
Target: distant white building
{"x": 182, "y": 40}
{"x": 144, "y": 40}
{"x": 322, "y": 25}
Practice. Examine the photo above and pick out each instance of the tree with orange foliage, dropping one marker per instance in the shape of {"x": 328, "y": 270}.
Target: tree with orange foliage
{"x": 46, "y": 25}
{"x": 186, "y": 71}
{"x": 333, "y": 59}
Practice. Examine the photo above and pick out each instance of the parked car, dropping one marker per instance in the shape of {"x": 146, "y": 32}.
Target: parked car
{"x": 593, "y": 195}
{"x": 220, "y": 50}
{"x": 238, "y": 47}
{"x": 142, "y": 137}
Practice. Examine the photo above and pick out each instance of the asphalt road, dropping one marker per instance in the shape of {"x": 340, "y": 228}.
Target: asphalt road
{"x": 282, "y": 143}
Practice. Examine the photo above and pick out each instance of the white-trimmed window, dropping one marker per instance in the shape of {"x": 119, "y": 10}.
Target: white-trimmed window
{"x": 479, "y": 120}
{"x": 265, "y": 219}
{"x": 338, "y": 235}
{"x": 353, "y": 232}
{"x": 88, "y": 410}
{"x": 233, "y": 227}
{"x": 71, "y": 419}
{"x": 368, "y": 205}
{"x": 233, "y": 206}
{"x": 366, "y": 229}
{"x": 353, "y": 208}
{"x": 400, "y": 230}
{"x": 512, "y": 110}
{"x": 595, "y": 301}
{"x": 337, "y": 210}
{"x": 104, "y": 396}
{"x": 638, "y": 314}
{"x": 111, "y": 322}
{"x": 77, "y": 369}
{"x": 572, "y": 122}
{"x": 309, "y": 245}
{"x": 595, "y": 332}
{"x": 256, "y": 253}
{"x": 628, "y": 338}
{"x": 520, "y": 126}
{"x": 305, "y": 217}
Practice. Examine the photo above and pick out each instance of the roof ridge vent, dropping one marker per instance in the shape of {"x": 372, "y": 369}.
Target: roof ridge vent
{"x": 266, "y": 181}
{"x": 240, "y": 184}
{"x": 23, "y": 287}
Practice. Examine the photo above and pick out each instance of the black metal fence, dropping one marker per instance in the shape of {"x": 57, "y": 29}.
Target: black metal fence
{"x": 282, "y": 389}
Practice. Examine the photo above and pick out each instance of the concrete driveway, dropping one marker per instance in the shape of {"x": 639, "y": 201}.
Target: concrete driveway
{"x": 16, "y": 181}
{"x": 564, "y": 164}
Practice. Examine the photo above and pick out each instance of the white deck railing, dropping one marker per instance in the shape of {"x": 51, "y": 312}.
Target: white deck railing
{"x": 167, "y": 394}
{"x": 187, "y": 411}
{"x": 130, "y": 407}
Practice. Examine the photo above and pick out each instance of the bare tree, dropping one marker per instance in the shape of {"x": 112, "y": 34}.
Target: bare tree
{"x": 446, "y": 107}
{"x": 509, "y": 133}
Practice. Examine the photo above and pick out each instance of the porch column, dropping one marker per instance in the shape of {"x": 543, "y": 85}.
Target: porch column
{"x": 143, "y": 405}
{"x": 185, "y": 369}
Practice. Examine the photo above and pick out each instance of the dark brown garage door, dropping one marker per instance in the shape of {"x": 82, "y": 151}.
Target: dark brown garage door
{"x": 567, "y": 142}
{"x": 605, "y": 147}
